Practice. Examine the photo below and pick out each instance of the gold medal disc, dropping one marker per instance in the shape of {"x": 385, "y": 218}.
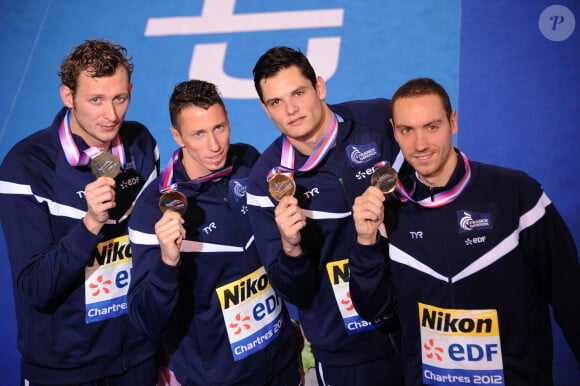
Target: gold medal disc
{"x": 281, "y": 185}
{"x": 173, "y": 200}
{"x": 385, "y": 178}
{"x": 105, "y": 164}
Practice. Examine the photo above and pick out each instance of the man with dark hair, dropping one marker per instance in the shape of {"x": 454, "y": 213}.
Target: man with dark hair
{"x": 300, "y": 195}
{"x": 65, "y": 195}
{"x": 198, "y": 282}
{"x": 475, "y": 255}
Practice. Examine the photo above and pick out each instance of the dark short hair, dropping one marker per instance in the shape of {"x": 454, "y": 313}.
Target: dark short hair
{"x": 193, "y": 93}
{"x": 419, "y": 87}
{"x": 97, "y": 58}
{"x": 277, "y": 59}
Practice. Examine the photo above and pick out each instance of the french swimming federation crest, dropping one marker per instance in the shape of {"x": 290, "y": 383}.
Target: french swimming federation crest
{"x": 460, "y": 346}
{"x": 252, "y": 313}
{"x": 238, "y": 188}
{"x": 468, "y": 221}
{"x": 361, "y": 154}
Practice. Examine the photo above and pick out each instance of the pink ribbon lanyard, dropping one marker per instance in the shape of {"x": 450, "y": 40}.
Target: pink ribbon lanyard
{"x": 320, "y": 151}
{"x": 441, "y": 198}
{"x": 166, "y": 184}
{"x": 75, "y": 157}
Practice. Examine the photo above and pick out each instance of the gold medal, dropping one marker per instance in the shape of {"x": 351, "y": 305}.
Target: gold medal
{"x": 173, "y": 200}
{"x": 105, "y": 164}
{"x": 281, "y": 185}
{"x": 385, "y": 178}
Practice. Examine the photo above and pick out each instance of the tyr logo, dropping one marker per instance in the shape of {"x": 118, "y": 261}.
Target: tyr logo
{"x": 311, "y": 193}
{"x": 416, "y": 235}
{"x": 209, "y": 228}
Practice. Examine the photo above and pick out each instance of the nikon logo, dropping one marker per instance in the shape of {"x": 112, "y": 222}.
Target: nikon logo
{"x": 112, "y": 251}
{"x": 445, "y": 322}
{"x": 244, "y": 290}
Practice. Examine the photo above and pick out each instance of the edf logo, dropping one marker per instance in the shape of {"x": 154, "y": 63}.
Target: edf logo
{"x": 473, "y": 352}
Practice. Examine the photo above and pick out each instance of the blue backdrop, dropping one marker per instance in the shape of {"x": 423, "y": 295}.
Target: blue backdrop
{"x": 512, "y": 70}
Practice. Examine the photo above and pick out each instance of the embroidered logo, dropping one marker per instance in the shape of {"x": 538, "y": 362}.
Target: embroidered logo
{"x": 238, "y": 188}
{"x": 469, "y": 221}
{"x": 360, "y": 154}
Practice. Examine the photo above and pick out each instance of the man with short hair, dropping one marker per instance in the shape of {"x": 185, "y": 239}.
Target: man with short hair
{"x": 65, "y": 195}
{"x": 300, "y": 194}
{"x": 199, "y": 285}
{"x": 475, "y": 255}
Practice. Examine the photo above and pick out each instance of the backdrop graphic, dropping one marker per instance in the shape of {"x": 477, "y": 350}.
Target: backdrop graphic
{"x": 512, "y": 70}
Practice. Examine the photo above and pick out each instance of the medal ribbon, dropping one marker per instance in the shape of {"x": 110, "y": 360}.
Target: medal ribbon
{"x": 166, "y": 184}
{"x": 320, "y": 151}
{"x": 381, "y": 163}
{"x": 441, "y": 198}
{"x": 75, "y": 157}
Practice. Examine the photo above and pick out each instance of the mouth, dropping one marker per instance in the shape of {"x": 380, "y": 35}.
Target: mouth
{"x": 110, "y": 127}
{"x": 423, "y": 157}
{"x": 297, "y": 121}
{"x": 216, "y": 158}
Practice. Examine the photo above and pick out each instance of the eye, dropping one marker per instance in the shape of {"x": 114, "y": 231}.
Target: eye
{"x": 432, "y": 127}
{"x": 96, "y": 99}
{"x": 220, "y": 128}
{"x": 120, "y": 99}
{"x": 299, "y": 92}
{"x": 274, "y": 102}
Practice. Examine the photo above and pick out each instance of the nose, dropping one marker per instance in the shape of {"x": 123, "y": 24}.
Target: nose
{"x": 421, "y": 142}
{"x": 110, "y": 112}
{"x": 291, "y": 107}
{"x": 213, "y": 143}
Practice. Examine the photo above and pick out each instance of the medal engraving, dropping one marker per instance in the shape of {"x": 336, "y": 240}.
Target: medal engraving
{"x": 173, "y": 200}
{"x": 105, "y": 164}
{"x": 281, "y": 185}
{"x": 385, "y": 178}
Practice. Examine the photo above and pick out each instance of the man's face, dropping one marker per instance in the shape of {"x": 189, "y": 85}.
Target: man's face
{"x": 98, "y": 106}
{"x": 204, "y": 136}
{"x": 293, "y": 104}
{"x": 424, "y": 134}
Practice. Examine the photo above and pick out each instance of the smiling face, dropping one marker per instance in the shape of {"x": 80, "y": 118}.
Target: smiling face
{"x": 424, "y": 133}
{"x": 98, "y": 106}
{"x": 204, "y": 135}
{"x": 295, "y": 106}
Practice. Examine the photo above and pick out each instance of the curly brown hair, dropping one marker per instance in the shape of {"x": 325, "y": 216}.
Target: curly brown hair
{"x": 97, "y": 57}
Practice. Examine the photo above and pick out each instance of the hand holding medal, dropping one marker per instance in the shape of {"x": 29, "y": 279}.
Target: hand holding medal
{"x": 384, "y": 177}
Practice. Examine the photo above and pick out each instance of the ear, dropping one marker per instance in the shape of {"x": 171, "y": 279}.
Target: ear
{"x": 453, "y": 122}
{"x": 177, "y": 137}
{"x": 320, "y": 88}
{"x": 67, "y": 96}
